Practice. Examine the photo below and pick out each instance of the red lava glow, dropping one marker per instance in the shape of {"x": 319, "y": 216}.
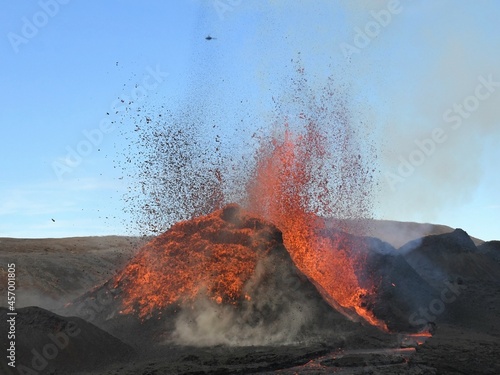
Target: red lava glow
{"x": 213, "y": 255}
{"x": 281, "y": 192}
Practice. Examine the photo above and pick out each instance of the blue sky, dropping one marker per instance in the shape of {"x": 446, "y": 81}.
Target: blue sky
{"x": 65, "y": 63}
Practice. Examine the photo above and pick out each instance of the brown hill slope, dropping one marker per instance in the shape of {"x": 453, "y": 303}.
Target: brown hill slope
{"x": 52, "y": 271}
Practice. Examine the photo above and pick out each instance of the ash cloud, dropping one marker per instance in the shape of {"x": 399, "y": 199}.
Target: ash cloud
{"x": 207, "y": 323}
{"x": 32, "y": 297}
{"x": 210, "y": 324}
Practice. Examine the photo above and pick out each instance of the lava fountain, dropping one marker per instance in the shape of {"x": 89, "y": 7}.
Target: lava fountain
{"x": 315, "y": 167}
{"x": 289, "y": 181}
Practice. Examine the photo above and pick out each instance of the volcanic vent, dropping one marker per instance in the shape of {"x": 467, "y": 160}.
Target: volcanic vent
{"x": 221, "y": 278}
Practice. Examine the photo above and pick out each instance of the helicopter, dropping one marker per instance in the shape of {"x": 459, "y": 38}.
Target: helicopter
{"x": 209, "y": 38}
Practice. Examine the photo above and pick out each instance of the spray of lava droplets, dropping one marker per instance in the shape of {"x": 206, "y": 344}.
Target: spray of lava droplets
{"x": 310, "y": 166}
{"x": 290, "y": 180}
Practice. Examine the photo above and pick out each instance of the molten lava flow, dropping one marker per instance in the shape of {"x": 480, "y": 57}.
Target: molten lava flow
{"x": 213, "y": 255}
{"x": 288, "y": 182}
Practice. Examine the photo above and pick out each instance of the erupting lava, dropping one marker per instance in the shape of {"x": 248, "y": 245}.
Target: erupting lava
{"x": 300, "y": 175}
{"x": 213, "y": 255}
{"x": 288, "y": 177}
{"x": 216, "y": 257}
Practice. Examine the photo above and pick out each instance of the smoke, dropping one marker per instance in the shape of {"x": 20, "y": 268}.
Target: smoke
{"x": 279, "y": 312}
{"x": 32, "y": 297}
{"x": 455, "y": 57}
{"x": 208, "y": 324}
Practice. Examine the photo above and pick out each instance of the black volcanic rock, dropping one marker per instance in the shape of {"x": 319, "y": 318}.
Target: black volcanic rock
{"x": 466, "y": 278}
{"x": 491, "y": 249}
{"x": 451, "y": 256}
{"x": 47, "y": 343}
{"x": 456, "y": 242}
{"x": 396, "y": 233}
{"x": 398, "y": 289}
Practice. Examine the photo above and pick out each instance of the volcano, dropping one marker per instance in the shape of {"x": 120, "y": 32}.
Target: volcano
{"x": 222, "y": 278}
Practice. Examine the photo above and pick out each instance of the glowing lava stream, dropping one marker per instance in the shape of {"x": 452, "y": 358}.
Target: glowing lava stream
{"x": 280, "y": 193}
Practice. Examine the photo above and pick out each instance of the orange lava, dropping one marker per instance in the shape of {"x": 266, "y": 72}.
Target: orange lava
{"x": 281, "y": 192}
{"x": 213, "y": 255}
